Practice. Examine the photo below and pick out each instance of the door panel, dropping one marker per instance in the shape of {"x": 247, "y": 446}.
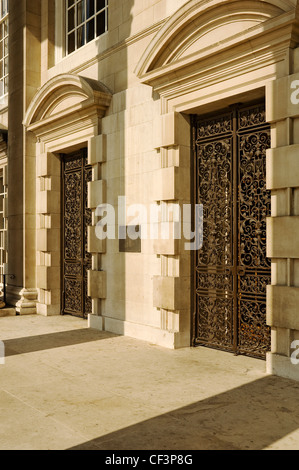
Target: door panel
{"x": 255, "y": 267}
{"x": 231, "y": 269}
{"x": 75, "y": 219}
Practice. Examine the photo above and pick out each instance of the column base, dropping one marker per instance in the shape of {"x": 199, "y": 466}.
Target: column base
{"x": 13, "y": 295}
{"x": 27, "y": 304}
{"x": 95, "y": 322}
{"x": 48, "y": 310}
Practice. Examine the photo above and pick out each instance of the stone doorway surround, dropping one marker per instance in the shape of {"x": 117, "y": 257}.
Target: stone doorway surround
{"x": 207, "y": 56}
{"x": 64, "y": 116}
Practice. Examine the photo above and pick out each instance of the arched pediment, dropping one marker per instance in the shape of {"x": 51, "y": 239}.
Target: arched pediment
{"x": 64, "y": 95}
{"x": 201, "y": 28}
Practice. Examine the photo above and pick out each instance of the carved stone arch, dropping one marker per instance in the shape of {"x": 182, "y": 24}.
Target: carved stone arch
{"x": 199, "y": 31}
{"x": 63, "y": 99}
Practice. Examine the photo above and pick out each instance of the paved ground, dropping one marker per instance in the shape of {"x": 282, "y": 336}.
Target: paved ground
{"x": 64, "y": 386}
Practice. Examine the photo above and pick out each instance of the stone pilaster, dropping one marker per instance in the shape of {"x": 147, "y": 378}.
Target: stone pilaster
{"x": 96, "y": 196}
{"x": 24, "y": 79}
{"x": 282, "y": 239}
{"x": 172, "y": 289}
{"x": 48, "y": 197}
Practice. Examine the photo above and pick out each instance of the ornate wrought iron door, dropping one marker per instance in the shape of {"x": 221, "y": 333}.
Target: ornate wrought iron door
{"x": 231, "y": 269}
{"x": 76, "y": 217}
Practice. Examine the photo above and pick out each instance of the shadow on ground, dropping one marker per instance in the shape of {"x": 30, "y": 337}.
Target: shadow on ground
{"x": 29, "y": 344}
{"x": 250, "y": 417}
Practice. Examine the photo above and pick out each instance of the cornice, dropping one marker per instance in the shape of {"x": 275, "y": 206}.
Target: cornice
{"x": 66, "y": 104}
{"x": 240, "y": 54}
{"x": 196, "y": 17}
{"x": 63, "y": 129}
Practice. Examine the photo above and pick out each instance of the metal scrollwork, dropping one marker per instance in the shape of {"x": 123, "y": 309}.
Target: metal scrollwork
{"x": 76, "y": 219}
{"x": 215, "y": 171}
{"x": 231, "y": 269}
{"x": 73, "y": 215}
{"x": 87, "y": 223}
{"x": 252, "y": 116}
{"x": 214, "y": 127}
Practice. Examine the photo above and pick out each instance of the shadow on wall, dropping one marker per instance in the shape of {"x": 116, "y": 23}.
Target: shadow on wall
{"x": 250, "y": 417}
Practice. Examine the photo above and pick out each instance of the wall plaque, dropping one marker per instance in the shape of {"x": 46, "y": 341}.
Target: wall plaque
{"x": 130, "y": 239}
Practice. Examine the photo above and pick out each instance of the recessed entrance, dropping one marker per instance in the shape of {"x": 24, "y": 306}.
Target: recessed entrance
{"x": 231, "y": 270}
{"x": 76, "y": 217}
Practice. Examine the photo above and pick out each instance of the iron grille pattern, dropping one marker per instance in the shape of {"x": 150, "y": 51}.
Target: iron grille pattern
{"x": 231, "y": 269}
{"x": 76, "y": 219}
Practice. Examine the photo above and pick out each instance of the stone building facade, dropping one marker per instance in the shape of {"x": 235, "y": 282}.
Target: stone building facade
{"x": 155, "y": 103}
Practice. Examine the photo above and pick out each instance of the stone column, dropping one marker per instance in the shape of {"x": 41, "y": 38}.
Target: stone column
{"x": 282, "y": 233}
{"x": 15, "y": 149}
{"x": 48, "y": 232}
{"x": 24, "y": 79}
{"x": 96, "y": 195}
{"x": 172, "y": 289}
